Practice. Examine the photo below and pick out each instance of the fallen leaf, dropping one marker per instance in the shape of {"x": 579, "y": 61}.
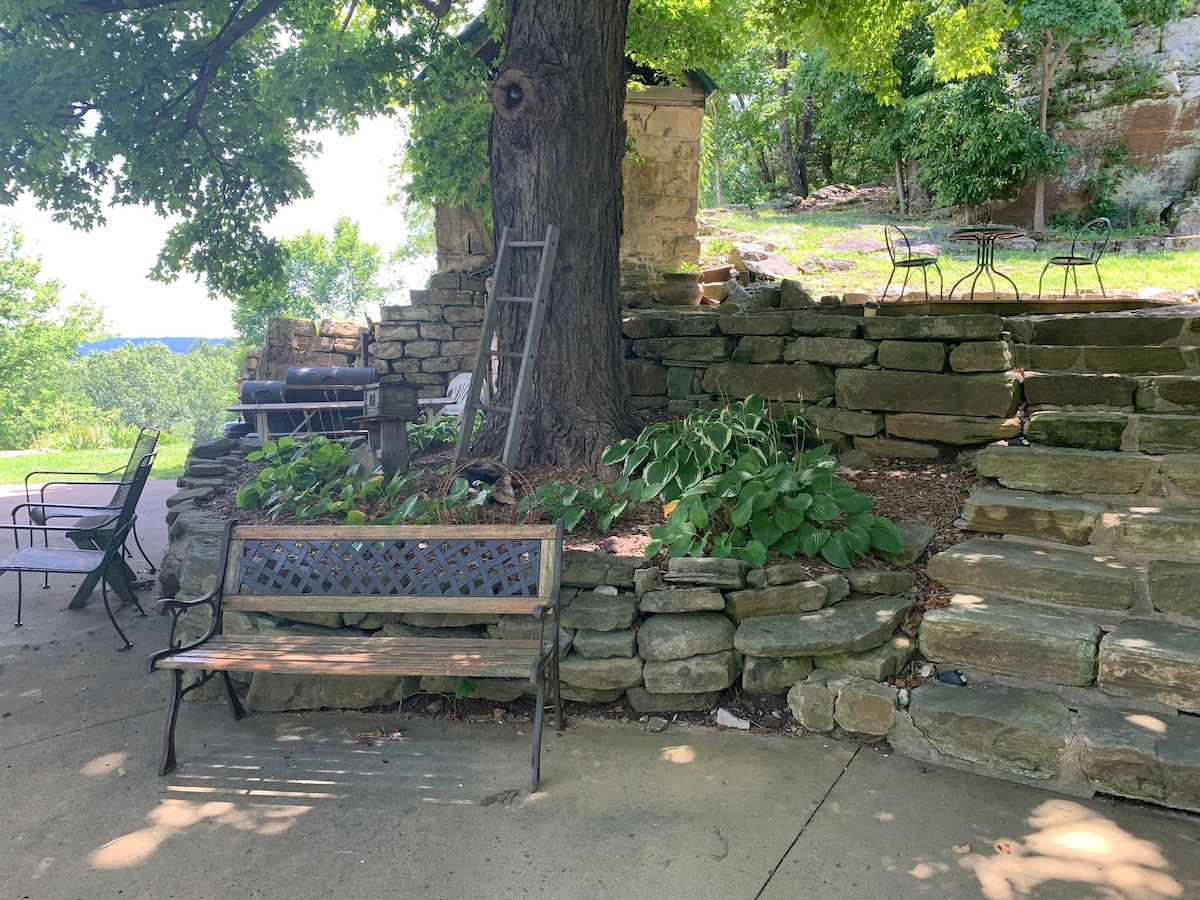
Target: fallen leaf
{"x": 122, "y": 771}
{"x": 1004, "y": 846}
{"x": 961, "y": 848}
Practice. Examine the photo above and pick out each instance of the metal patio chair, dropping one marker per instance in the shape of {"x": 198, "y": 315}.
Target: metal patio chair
{"x": 108, "y": 538}
{"x": 41, "y": 511}
{"x": 1087, "y": 247}
{"x": 902, "y": 256}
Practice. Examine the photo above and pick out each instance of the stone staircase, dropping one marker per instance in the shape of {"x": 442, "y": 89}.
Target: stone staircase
{"x": 1076, "y": 613}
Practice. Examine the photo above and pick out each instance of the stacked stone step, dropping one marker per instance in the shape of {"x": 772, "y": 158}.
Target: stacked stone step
{"x": 1078, "y": 622}
{"x": 1127, "y": 381}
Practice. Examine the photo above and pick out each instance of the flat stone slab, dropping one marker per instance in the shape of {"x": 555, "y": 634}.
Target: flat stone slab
{"x": 1166, "y": 433}
{"x": 601, "y": 674}
{"x": 830, "y": 351}
{"x": 1010, "y": 637}
{"x": 600, "y": 612}
{"x": 1051, "y": 575}
{"x": 1014, "y": 730}
{"x": 1114, "y": 330}
{"x": 694, "y": 675}
{"x": 992, "y": 394}
{"x": 848, "y": 627}
{"x": 880, "y": 581}
{"x": 875, "y": 664}
{"x": 775, "y": 381}
{"x": 1183, "y": 471}
{"x": 605, "y": 644}
{"x": 1158, "y": 531}
{"x": 957, "y": 430}
{"x": 1170, "y": 393}
{"x": 1143, "y": 756}
{"x": 1065, "y": 520}
{"x": 865, "y": 707}
{"x": 682, "y": 600}
{"x": 761, "y": 675}
{"x": 1064, "y": 470}
{"x": 1173, "y": 587}
{"x": 1066, "y": 390}
{"x": 936, "y": 328}
{"x": 681, "y": 635}
{"x": 725, "y": 573}
{"x": 799, "y": 597}
{"x": 1086, "y": 430}
{"x": 1157, "y": 661}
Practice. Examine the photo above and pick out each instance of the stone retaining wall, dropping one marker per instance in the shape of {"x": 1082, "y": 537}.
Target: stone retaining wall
{"x": 902, "y": 386}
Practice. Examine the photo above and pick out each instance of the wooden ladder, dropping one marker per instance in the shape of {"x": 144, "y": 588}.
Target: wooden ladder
{"x": 484, "y": 355}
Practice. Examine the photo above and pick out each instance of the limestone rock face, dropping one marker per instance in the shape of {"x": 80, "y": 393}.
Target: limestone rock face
{"x": 601, "y": 674}
{"x": 271, "y": 692}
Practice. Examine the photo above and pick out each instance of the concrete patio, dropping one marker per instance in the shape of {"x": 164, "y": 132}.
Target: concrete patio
{"x": 296, "y": 805}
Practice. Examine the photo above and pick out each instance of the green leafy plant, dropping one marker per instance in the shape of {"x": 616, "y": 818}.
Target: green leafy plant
{"x": 667, "y": 458}
{"x": 423, "y": 435}
{"x": 787, "y": 507}
{"x": 681, "y": 267}
{"x": 313, "y": 478}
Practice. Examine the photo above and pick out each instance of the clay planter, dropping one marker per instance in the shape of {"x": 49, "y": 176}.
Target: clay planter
{"x": 679, "y": 289}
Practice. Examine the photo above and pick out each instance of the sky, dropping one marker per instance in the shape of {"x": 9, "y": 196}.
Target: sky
{"x": 108, "y": 266}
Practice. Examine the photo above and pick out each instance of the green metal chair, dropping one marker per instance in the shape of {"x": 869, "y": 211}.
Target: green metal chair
{"x": 1087, "y": 247}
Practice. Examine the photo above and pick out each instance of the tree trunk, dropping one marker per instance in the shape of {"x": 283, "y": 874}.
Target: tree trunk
{"x": 787, "y": 152}
{"x": 901, "y": 193}
{"x": 557, "y": 140}
{"x": 806, "y": 136}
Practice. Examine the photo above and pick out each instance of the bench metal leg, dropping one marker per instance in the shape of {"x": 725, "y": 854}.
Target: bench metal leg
{"x": 231, "y": 698}
{"x": 168, "y": 754}
{"x": 535, "y": 771}
{"x": 112, "y": 618}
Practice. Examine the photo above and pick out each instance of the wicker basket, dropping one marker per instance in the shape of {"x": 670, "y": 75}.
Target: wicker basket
{"x": 502, "y": 481}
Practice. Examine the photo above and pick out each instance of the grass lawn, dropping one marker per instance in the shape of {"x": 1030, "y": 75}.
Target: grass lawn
{"x": 14, "y": 468}
{"x": 805, "y": 238}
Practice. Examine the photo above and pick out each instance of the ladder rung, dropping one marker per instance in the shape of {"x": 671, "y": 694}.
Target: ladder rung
{"x": 491, "y": 408}
{"x": 514, "y": 299}
{"x": 510, "y": 354}
{"x": 526, "y": 243}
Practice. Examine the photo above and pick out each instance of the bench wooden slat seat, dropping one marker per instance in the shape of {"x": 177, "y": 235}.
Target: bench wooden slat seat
{"x": 277, "y": 570}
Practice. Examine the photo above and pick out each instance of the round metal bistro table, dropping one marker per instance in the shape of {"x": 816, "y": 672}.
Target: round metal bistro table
{"x": 984, "y": 237}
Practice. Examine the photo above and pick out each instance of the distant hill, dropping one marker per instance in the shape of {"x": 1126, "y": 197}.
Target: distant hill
{"x": 174, "y": 344}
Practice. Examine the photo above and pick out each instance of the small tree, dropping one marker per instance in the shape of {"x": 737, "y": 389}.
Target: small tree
{"x": 326, "y": 278}
{"x": 38, "y": 337}
{"x": 976, "y": 144}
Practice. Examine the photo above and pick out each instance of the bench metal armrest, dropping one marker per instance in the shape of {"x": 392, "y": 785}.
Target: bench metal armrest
{"x": 42, "y": 487}
{"x": 176, "y": 608}
{"x": 34, "y": 505}
{"x": 17, "y": 528}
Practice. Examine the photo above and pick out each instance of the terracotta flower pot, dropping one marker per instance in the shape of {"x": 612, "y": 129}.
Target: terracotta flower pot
{"x": 679, "y": 289}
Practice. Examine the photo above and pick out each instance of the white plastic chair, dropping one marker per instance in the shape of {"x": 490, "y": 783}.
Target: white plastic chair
{"x": 457, "y": 390}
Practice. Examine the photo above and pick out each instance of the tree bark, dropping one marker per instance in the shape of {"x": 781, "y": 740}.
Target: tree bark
{"x": 787, "y": 152}
{"x": 557, "y": 140}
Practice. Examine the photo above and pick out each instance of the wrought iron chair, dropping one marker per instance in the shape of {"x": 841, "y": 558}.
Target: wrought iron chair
{"x": 109, "y": 536}
{"x": 1087, "y": 247}
{"x": 41, "y": 511}
{"x": 902, "y": 256}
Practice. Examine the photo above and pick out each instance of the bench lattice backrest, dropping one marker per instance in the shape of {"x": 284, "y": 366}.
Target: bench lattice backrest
{"x": 446, "y": 568}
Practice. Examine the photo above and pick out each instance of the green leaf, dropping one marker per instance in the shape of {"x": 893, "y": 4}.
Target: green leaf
{"x": 812, "y": 541}
{"x": 788, "y": 519}
{"x": 754, "y": 553}
{"x": 837, "y": 550}
{"x": 764, "y": 528}
{"x": 787, "y": 545}
{"x": 616, "y": 452}
{"x": 886, "y": 537}
{"x": 356, "y": 517}
{"x": 824, "y": 509}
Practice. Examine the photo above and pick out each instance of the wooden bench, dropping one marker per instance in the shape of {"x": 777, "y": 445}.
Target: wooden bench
{"x": 475, "y": 569}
